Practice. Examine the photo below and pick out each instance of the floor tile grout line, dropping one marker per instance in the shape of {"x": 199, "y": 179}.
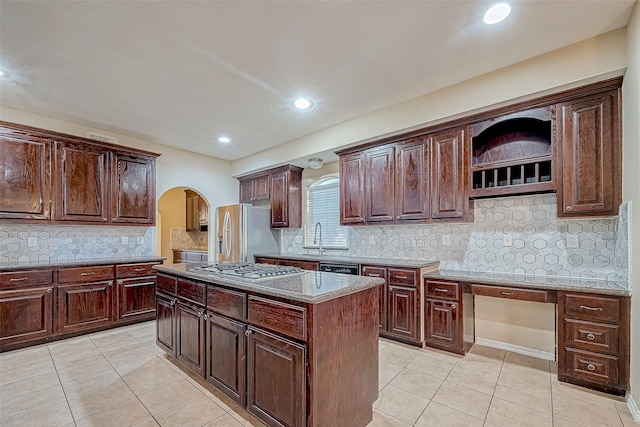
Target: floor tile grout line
{"x": 73, "y": 418}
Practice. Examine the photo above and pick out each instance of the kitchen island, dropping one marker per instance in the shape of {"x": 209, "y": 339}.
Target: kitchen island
{"x": 300, "y": 349}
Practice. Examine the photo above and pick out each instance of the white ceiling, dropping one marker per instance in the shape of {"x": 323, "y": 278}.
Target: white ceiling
{"x": 182, "y": 73}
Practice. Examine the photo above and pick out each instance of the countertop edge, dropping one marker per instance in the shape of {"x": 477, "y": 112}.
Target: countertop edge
{"x": 62, "y": 264}
{"x": 388, "y": 262}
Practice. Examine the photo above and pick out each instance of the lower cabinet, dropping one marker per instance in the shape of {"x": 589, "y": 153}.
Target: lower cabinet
{"x": 137, "y": 298}
{"x": 444, "y": 320}
{"x": 25, "y": 314}
{"x": 84, "y": 305}
{"x": 276, "y": 379}
{"x": 190, "y": 344}
{"x": 403, "y": 320}
{"x": 166, "y": 323}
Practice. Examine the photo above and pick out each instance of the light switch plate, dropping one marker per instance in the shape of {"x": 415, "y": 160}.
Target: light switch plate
{"x": 125, "y": 240}
{"x": 372, "y": 240}
{"x": 32, "y": 242}
{"x": 507, "y": 240}
{"x": 446, "y": 240}
{"x": 573, "y": 241}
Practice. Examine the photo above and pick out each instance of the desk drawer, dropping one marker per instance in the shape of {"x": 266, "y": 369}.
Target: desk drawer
{"x": 510, "y": 293}
{"x": 443, "y": 290}
{"x": 227, "y": 302}
{"x": 598, "y": 368}
{"x": 22, "y": 279}
{"x": 85, "y": 274}
{"x": 591, "y": 336}
{"x": 402, "y": 277}
{"x": 592, "y": 308}
{"x": 191, "y": 291}
{"x": 135, "y": 270}
{"x": 286, "y": 319}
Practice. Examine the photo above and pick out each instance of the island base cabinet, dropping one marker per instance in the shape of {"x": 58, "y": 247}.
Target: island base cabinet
{"x": 136, "y": 298}
{"x": 25, "y": 315}
{"x": 226, "y": 362}
{"x": 166, "y": 323}
{"x": 84, "y": 306}
{"x": 276, "y": 379}
{"x": 190, "y": 340}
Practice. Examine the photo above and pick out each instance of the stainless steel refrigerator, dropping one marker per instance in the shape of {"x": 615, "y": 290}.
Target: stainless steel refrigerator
{"x": 242, "y": 231}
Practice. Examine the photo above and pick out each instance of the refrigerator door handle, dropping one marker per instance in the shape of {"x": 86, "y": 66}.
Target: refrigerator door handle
{"x": 226, "y": 235}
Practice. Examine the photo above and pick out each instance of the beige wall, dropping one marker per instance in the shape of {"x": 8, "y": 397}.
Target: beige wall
{"x": 171, "y": 213}
{"x": 175, "y": 168}
{"x": 630, "y": 188}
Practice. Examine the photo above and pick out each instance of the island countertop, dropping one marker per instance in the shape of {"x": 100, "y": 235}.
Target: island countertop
{"x": 387, "y": 262}
{"x": 307, "y": 286}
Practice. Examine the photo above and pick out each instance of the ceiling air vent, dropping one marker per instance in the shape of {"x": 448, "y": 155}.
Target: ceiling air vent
{"x": 102, "y": 138}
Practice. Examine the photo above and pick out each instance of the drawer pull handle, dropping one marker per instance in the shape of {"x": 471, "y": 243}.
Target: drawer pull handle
{"x": 90, "y": 273}
{"x": 401, "y": 277}
{"x": 172, "y": 303}
{"x": 138, "y": 270}
{"x": 506, "y": 293}
{"x": 19, "y": 279}
{"x": 590, "y": 337}
{"x": 441, "y": 290}
{"x": 591, "y": 367}
{"x": 586, "y": 307}
{"x": 373, "y": 274}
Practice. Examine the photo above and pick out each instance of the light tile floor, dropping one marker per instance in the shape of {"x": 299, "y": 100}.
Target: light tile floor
{"x": 120, "y": 378}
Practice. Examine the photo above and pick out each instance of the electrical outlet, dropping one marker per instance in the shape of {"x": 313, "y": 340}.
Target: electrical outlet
{"x": 573, "y": 241}
{"x": 140, "y": 240}
{"x": 507, "y": 240}
{"x": 372, "y": 240}
{"x": 32, "y": 242}
{"x": 125, "y": 240}
{"x": 446, "y": 240}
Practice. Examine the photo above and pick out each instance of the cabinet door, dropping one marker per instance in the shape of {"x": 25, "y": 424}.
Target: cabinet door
{"x": 379, "y": 173}
{"x": 190, "y": 340}
{"x": 412, "y": 180}
{"x": 84, "y": 306}
{"x": 226, "y": 349}
{"x": 443, "y": 324}
{"x": 447, "y": 175}
{"x": 25, "y": 188}
{"x": 260, "y": 188}
{"x": 276, "y": 380}
{"x": 279, "y": 200}
{"x": 590, "y": 137}
{"x": 80, "y": 182}
{"x": 166, "y": 323}
{"x": 403, "y": 312}
{"x": 137, "y": 298}
{"x": 352, "y": 189}
{"x": 246, "y": 187}
{"x": 25, "y": 314}
{"x": 382, "y": 273}
{"x": 133, "y": 189}
{"x": 192, "y": 211}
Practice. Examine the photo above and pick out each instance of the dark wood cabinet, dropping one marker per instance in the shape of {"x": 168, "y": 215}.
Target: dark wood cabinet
{"x": 379, "y": 184}
{"x": 166, "y": 323}
{"x": 590, "y": 133}
{"x": 305, "y": 265}
{"x": 276, "y": 379}
{"x": 403, "y": 315}
{"x": 84, "y": 305}
{"x": 137, "y": 298}
{"x": 180, "y": 256}
{"x": 226, "y": 356}
{"x": 197, "y": 216}
{"x": 25, "y": 315}
{"x": 286, "y": 198}
{"x": 25, "y": 167}
{"x": 352, "y": 178}
{"x": 255, "y": 188}
{"x": 447, "y": 175}
{"x": 383, "y": 289}
{"x": 444, "y": 319}
{"x": 190, "y": 342}
{"x": 133, "y": 180}
{"x": 412, "y": 180}
{"x": 80, "y": 182}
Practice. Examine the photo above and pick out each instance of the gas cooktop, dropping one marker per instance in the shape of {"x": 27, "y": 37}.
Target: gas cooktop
{"x": 247, "y": 270}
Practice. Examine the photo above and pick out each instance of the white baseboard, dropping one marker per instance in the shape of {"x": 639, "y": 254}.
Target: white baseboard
{"x": 633, "y": 408}
{"x": 517, "y": 349}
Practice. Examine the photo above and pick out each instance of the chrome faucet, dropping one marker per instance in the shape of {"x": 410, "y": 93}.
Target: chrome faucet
{"x": 315, "y": 237}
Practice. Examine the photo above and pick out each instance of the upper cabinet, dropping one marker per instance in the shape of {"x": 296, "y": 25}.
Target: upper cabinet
{"x": 282, "y": 188}
{"x": 352, "y": 188}
{"x": 379, "y": 185}
{"x": 412, "y": 179}
{"x": 197, "y": 217}
{"x": 448, "y": 199}
{"x": 73, "y": 180}
{"x": 591, "y": 155}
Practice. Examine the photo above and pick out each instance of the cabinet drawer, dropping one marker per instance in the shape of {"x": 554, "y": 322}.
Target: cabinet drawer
{"x": 443, "y": 290}
{"x": 227, "y": 302}
{"x": 135, "y": 270}
{"x": 305, "y": 265}
{"x": 85, "y": 274}
{"x": 375, "y": 272}
{"x": 191, "y": 291}
{"x": 263, "y": 260}
{"x": 179, "y": 257}
{"x": 21, "y": 279}
{"x": 593, "y": 308}
{"x": 591, "y": 336}
{"x": 279, "y": 317}
{"x": 510, "y": 293}
{"x": 402, "y": 277}
{"x": 593, "y": 367}
{"x": 167, "y": 285}
{"x": 194, "y": 257}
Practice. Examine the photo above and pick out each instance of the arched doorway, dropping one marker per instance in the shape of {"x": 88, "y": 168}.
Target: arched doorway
{"x": 177, "y": 230}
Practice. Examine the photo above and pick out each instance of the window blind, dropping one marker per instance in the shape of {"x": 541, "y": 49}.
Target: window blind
{"x": 323, "y": 206}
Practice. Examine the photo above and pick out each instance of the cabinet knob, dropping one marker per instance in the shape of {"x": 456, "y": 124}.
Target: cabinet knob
{"x": 172, "y": 303}
{"x": 568, "y": 208}
{"x": 120, "y": 282}
{"x": 247, "y": 332}
{"x": 104, "y": 219}
{"x": 591, "y": 367}
{"x": 398, "y": 217}
{"x": 454, "y": 306}
{"x": 111, "y": 283}
{"x": 50, "y": 290}
{"x": 459, "y": 214}
{"x": 590, "y": 337}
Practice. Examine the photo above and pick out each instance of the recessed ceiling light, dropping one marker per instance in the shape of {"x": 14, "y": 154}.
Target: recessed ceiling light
{"x": 302, "y": 103}
{"x": 224, "y": 139}
{"x": 497, "y": 13}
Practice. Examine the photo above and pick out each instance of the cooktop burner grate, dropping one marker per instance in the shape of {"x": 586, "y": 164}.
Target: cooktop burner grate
{"x": 248, "y": 270}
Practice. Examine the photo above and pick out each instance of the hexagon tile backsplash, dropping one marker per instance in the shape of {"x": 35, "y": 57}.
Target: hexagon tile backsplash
{"x": 71, "y": 243}
{"x": 542, "y": 244}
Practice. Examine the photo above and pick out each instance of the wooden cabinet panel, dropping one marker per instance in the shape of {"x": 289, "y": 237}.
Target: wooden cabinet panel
{"x": 136, "y": 298}
{"x": 352, "y": 198}
{"x": 286, "y": 198}
{"x": 382, "y": 273}
{"x": 25, "y": 278}
{"x": 401, "y": 276}
{"x": 412, "y": 180}
{"x": 135, "y": 270}
{"x": 80, "y": 182}
{"x": 133, "y": 189}
{"x": 591, "y": 156}
{"x": 167, "y": 285}
{"x": 592, "y": 307}
{"x": 592, "y": 367}
{"x": 447, "y": 175}
{"x": 190, "y": 344}
{"x": 25, "y": 167}
{"x": 442, "y": 324}
{"x": 25, "y": 314}
{"x": 379, "y": 187}
{"x": 276, "y": 380}
{"x": 260, "y": 188}
{"x": 192, "y": 291}
{"x": 166, "y": 323}
{"x": 230, "y": 303}
{"x": 511, "y": 293}
{"x": 245, "y": 191}
{"x": 442, "y": 290}
{"x": 226, "y": 363}
{"x": 403, "y": 319}
{"x": 305, "y": 265}
{"x": 85, "y": 274}
{"x": 592, "y": 336}
{"x": 280, "y": 317}
{"x": 83, "y": 306}
{"x": 263, "y": 260}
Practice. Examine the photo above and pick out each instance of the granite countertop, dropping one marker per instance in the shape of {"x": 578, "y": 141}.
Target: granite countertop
{"x": 391, "y": 262}
{"x": 101, "y": 261}
{"x": 191, "y": 250}
{"x": 307, "y": 286}
{"x": 599, "y": 286}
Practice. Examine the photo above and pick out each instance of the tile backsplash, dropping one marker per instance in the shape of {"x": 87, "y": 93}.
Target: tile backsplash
{"x": 194, "y": 240}
{"x": 51, "y": 243}
{"x": 542, "y": 244}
